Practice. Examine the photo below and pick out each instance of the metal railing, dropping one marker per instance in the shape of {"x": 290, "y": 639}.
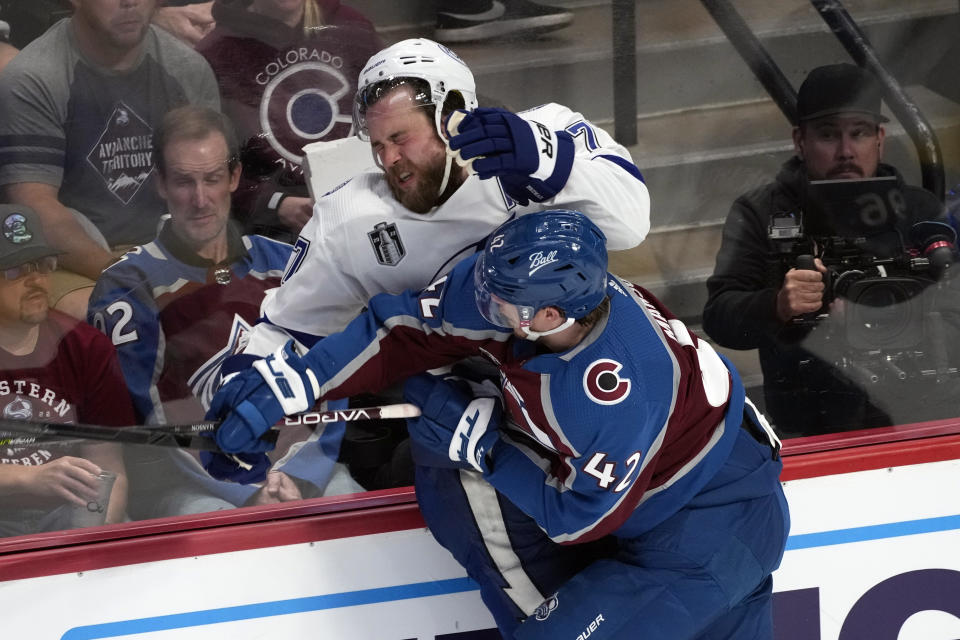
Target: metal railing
{"x": 768, "y": 73}
{"x": 754, "y": 54}
{"x": 624, "y": 72}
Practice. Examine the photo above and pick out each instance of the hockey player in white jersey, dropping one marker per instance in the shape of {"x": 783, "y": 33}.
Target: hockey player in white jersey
{"x": 412, "y": 219}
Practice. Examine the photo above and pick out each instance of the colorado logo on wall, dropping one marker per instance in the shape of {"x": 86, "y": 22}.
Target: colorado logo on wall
{"x": 307, "y": 98}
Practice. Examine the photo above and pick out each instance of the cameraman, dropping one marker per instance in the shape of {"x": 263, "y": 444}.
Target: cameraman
{"x": 757, "y": 296}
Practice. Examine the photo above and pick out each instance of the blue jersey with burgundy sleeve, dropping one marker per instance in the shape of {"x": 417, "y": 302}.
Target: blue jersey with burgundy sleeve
{"x": 612, "y": 436}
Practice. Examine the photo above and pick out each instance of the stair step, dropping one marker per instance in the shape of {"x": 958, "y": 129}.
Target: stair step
{"x": 418, "y": 17}
{"x": 741, "y": 146}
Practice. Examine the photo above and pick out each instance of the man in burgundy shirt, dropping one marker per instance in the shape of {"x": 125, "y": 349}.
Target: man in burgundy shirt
{"x": 53, "y": 368}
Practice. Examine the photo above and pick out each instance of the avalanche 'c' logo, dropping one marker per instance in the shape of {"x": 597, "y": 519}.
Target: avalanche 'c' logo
{"x": 309, "y": 100}
{"x": 603, "y": 383}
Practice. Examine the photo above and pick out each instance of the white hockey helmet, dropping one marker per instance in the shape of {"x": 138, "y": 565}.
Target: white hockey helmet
{"x": 438, "y": 66}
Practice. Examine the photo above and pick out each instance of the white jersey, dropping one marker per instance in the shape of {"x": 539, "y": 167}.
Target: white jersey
{"x": 361, "y": 241}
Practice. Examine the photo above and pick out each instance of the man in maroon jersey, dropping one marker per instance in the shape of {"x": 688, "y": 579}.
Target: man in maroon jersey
{"x": 53, "y": 368}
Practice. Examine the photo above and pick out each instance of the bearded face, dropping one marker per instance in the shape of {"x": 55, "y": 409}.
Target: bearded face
{"x": 408, "y": 149}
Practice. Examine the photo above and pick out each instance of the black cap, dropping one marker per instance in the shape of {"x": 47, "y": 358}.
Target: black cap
{"x": 839, "y": 88}
{"x": 21, "y": 236}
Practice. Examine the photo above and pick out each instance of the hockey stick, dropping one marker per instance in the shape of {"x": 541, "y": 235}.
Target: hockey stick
{"x": 187, "y": 436}
{"x": 54, "y": 432}
{"x": 385, "y": 412}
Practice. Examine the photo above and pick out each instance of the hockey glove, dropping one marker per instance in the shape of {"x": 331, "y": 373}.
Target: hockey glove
{"x": 244, "y": 468}
{"x": 254, "y": 400}
{"x": 531, "y": 161}
{"x": 454, "y": 423}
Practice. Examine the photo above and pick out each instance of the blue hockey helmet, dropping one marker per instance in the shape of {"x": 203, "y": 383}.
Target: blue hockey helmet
{"x": 554, "y": 258}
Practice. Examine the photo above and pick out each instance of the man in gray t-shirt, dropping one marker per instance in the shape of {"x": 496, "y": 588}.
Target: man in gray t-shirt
{"x": 80, "y": 104}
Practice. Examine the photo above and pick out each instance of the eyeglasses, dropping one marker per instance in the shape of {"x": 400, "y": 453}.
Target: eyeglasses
{"x": 43, "y": 265}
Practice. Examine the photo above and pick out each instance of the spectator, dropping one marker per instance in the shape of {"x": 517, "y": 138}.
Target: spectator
{"x": 170, "y": 307}
{"x": 468, "y": 20}
{"x": 188, "y": 20}
{"x": 52, "y": 368}
{"x": 287, "y": 71}
{"x": 80, "y": 104}
{"x": 615, "y": 420}
{"x": 840, "y": 136}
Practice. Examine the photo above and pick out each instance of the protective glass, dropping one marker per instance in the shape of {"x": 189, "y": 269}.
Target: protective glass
{"x": 43, "y": 265}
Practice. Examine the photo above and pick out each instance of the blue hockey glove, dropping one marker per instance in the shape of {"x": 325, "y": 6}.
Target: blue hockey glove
{"x": 254, "y": 400}
{"x": 244, "y": 468}
{"x": 532, "y": 161}
{"x": 454, "y": 424}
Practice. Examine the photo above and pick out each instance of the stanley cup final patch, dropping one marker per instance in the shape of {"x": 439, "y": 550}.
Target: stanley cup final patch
{"x": 387, "y": 244}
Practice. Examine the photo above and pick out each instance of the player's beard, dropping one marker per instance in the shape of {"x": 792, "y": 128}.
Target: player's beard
{"x": 426, "y": 195}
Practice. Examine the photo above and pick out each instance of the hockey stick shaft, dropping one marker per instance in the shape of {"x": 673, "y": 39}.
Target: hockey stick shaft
{"x": 385, "y": 412}
{"x": 188, "y": 436}
{"x": 53, "y": 432}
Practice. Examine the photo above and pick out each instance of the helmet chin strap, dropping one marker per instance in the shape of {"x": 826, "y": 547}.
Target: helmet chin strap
{"x": 446, "y": 172}
{"x": 533, "y": 335}
{"x": 446, "y": 176}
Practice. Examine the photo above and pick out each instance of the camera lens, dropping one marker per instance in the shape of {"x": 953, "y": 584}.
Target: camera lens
{"x": 884, "y": 313}
{"x": 880, "y": 313}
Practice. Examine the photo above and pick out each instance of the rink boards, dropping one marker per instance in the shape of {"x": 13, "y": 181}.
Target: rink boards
{"x": 873, "y": 553}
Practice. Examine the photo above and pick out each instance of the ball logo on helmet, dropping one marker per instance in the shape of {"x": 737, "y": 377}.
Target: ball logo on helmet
{"x": 539, "y": 261}
{"x": 603, "y": 384}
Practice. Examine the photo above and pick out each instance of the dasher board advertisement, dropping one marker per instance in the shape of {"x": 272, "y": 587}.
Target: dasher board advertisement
{"x": 872, "y": 554}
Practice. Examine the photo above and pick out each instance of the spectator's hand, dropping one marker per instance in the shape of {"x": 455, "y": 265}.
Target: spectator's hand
{"x": 67, "y": 479}
{"x": 532, "y": 162}
{"x": 295, "y": 212}
{"x": 456, "y": 422}
{"x": 802, "y": 292}
{"x": 253, "y": 400}
{"x": 279, "y": 487}
{"x": 190, "y": 22}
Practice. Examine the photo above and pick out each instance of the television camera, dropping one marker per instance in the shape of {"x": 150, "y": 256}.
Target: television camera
{"x": 888, "y": 295}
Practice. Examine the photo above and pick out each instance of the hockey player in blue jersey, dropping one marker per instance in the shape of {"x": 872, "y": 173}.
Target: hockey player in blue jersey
{"x": 615, "y": 421}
